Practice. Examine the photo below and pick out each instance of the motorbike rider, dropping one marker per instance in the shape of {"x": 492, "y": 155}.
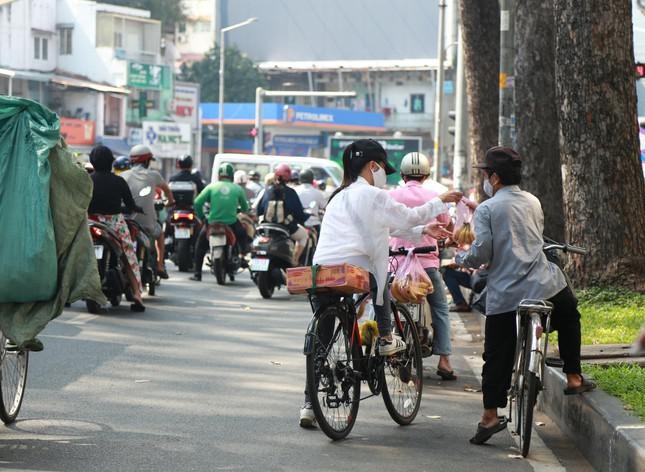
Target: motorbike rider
{"x": 121, "y": 164}
{"x": 356, "y": 229}
{"x": 254, "y": 184}
{"x": 240, "y": 178}
{"x": 139, "y": 177}
{"x": 225, "y": 198}
{"x": 186, "y": 174}
{"x": 109, "y": 195}
{"x": 309, "y": 195}
{"x": 508, "y": 237}
{"x": 280, "y": 205}
{"x": 415, "y": 169}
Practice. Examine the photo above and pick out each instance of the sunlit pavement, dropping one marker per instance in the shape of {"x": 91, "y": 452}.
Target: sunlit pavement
{"x": 211, "y": 378}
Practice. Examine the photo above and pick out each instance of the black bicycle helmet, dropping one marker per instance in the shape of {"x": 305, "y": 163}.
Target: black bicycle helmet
{"x": 185, "y": 162}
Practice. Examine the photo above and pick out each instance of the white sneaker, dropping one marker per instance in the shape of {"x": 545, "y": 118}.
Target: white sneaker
{"x": 307, "y": 417}
{"x": 388, "y": 348}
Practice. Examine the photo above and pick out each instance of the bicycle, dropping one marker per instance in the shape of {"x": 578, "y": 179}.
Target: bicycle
{"x": 337, "y": 363}
{"x": 13, "y": 378}
{"x": 533, "y": 325}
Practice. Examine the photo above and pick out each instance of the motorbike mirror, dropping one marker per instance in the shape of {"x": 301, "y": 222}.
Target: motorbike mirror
{"x": 145, "y": 191}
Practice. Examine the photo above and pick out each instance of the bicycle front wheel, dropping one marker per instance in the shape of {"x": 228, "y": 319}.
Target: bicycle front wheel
{"x": 402, "y": 374}
{"x": 333, "y": 381}
{"x": 13, "y": 376}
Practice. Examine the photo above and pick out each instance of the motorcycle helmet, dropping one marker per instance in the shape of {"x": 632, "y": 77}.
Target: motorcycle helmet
{"x": 240, "y": 177}
{"x": 295, "y": 177}
{"x": 226, "y": 170}
{"x": 101, "y": 158}
{"x": 415, "y": 164}
{"x": 307, "y": 177}
{"x": 282, "y": 173}
{"x": 121, "y": 163}
{"x": 254, "y": 175}
{"x": 185, "y": 162}
{"x": 141, "y": 154}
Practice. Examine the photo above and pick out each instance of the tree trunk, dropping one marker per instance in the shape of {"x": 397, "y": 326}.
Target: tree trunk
{"x": 480, "y": 33}
{"x": 604, "y": 191}
{"x": 536, "y": 110}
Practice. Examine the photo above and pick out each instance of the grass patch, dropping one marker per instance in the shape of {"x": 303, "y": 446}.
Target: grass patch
{"x": 610, "y": 315}
{"x": 624, "y": 381}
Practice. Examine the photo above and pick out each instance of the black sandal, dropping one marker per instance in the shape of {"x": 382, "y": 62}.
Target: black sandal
{"x": 585, "y": 386}
{"x": 484, "y": 434}
{"x": 446, "y": 375}
{"x": 137, "y": 307}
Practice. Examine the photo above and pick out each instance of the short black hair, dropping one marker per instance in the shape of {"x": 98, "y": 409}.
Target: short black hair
{"x": 508, "y": 175}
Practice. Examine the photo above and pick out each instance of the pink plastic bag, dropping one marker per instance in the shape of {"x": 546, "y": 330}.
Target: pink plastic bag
{"x": 411, "y": 283}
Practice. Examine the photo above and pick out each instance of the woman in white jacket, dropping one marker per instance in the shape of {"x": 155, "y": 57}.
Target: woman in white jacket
{"x": 356, "y": 229}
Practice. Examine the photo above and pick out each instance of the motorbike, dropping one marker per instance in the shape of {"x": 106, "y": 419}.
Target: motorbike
{"x": 272, "y": 255}
{"x": 112, "y": 266}
{"x": 224, "y": 255}
{"x": 183, "y": 227}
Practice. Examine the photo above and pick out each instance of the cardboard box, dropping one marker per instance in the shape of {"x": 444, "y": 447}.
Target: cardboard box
{"x": 341, "y": 278}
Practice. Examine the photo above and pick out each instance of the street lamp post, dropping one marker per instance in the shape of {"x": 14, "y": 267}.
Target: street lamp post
{"x": 439, "y": 92}
{"x": 222, "y": 53}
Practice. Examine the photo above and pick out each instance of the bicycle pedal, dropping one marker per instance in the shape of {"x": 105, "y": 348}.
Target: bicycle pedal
{"x": 554, "y": 362}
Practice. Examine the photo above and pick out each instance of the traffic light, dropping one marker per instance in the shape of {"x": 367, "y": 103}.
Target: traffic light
{"x": 640, "y": 70}
{"x": 253, "y": 132}
{"x": 452, "y": 114}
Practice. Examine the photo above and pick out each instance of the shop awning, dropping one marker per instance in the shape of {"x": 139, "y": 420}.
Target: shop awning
{"x": 79, "y": 83}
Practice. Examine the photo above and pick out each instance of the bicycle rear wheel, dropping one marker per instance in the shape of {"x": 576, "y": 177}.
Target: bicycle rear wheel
{"x": 13, "y": 376}
{"x": 402, "y": 375}
{"x": 333, "y": 381}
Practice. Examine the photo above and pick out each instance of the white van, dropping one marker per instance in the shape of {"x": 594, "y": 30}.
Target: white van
{"x": 323, "y": 169}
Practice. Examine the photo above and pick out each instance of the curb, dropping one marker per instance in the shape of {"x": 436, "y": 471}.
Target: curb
{"x": 610, "y": 439}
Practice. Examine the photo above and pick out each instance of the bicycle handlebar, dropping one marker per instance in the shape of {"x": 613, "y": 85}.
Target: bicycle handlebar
{"x": 417, "y": 250}
{"x": 551, "y": 244}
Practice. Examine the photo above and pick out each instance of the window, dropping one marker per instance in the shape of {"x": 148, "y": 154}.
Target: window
{"x": 36, "y": 48}
{"x": 118, "y": 39}
{"x": 201, "y": 26}
{"x": 417, "y": 103}
{"x": 43, "y": 48}
{"x": 65, "y": 41}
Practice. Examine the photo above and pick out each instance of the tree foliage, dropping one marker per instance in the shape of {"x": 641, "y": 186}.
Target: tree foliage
{"x": 168, "y": 12}
{"x": 241, "y": 76}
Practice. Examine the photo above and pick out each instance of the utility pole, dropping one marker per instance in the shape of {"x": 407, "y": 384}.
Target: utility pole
{"x": 461, "y": 120}
{"x": 506, "y": 73}
{"x": 438, "y": 108}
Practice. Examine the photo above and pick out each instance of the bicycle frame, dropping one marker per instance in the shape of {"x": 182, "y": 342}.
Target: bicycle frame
{"x": 537, "y": 333}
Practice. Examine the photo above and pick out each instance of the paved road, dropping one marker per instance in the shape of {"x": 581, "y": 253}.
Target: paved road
{"x": 211, "y": 378}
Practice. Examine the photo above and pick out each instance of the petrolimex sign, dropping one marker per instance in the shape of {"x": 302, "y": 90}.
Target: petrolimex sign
{"x": 167, "y": 139}
{"x": 334, "y": 118}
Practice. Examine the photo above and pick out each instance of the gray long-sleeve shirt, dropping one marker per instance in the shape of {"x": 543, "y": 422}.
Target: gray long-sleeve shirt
{"x": 508, "y": 229}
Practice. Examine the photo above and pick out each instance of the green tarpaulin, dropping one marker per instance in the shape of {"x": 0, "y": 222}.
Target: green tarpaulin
{"x": 62, "y": 266}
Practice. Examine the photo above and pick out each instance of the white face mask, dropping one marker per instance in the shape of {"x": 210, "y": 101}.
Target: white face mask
{"x": 488, "y": 188}
{"x": 380, "y": 178}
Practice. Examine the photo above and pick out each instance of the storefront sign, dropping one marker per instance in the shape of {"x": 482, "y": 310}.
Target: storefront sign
{"x": 148, "y": 76}
{"x": 186, "y": 103}
{"x": 396, "y": 148}
{"x": 167, "y": 139}
{"x": 333, "y": 117}
{"x": 78, "y": 132}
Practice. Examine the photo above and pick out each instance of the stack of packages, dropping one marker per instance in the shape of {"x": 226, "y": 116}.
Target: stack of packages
{"x": 46, "y": 255}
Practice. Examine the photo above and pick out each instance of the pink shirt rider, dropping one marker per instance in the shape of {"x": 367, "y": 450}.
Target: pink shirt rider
{"x": 414, "y": 194}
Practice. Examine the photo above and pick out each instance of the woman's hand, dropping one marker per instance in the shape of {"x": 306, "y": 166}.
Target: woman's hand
{"x": 436, "y": 230}
{"x": 451, "y": 196}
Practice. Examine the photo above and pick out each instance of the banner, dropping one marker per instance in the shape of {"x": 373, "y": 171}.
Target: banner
{"x": 148, "y": 76}
{"x": 78, "y": 132}
{"x": 167, "y": 139}
{"x": 186, "y": 104}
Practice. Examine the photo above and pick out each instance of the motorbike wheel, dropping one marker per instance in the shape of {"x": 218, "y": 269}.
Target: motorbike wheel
{"x": 152, "y": 287}
{"x": 182, "y": 255}
{"x": 265, "y": 284}
{"x": 115, "y": 300}
{"x": 220, "y": 271}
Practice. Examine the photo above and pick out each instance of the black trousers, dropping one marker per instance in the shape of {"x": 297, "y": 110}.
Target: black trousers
{"x": 499, "y": 346}
{"x": 201, "y": 247}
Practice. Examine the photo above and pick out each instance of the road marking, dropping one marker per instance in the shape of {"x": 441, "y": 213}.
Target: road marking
{"x": 81, "y": 318}
{"x": 541, "y": 458}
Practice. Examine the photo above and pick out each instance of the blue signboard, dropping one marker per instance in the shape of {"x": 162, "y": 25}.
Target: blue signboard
{"x": 294, "y": 145}
{"x": 303, "y": 115}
